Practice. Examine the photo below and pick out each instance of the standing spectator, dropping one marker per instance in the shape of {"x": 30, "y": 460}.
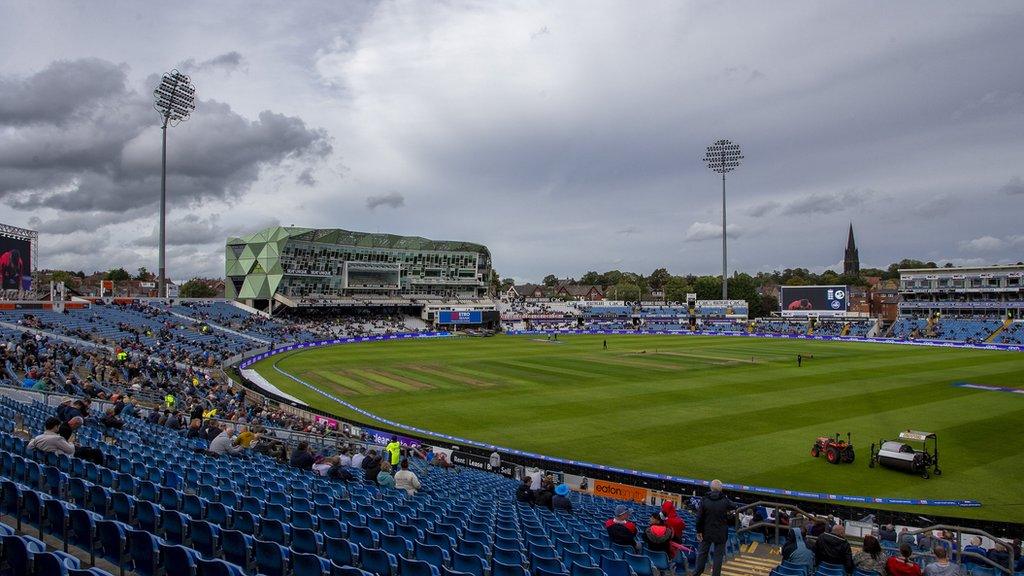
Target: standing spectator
{"x": 406, "y": 479}
{"x": 870, "y": 558}
{"x": 942, "y": 566}
{"x": 535, "y": 478}
{"x": 394, "y": 450}
{"x": 673, "y": 520}
{"x": 887, "y": 533}
{"x": 902, "y": 565}
{"x": 384, "y": 477}
{"x": 833, "y": 548}
{"x": 713, "y": 528}
{"x": 620, "y": 529}
{"x": 560, "y": 501}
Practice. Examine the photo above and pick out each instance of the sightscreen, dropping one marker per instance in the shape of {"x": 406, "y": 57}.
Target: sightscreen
{"x": 15, "y": 264}
{"x": 798, "y": 300}
{"x": 459, "y": 317}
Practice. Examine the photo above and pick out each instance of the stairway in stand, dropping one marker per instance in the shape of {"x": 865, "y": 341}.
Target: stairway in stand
{"x": 992, "y": 336}
{"x": 754, "y": 560}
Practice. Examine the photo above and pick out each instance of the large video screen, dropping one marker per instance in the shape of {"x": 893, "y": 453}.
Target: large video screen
{"x": 797, "y": 300}
{"x": 15, "y": 264}
{"x": 456, "y": 317}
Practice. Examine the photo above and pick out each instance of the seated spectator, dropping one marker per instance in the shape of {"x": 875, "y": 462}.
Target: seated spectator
{"x": 523, "y": 492}
{"x": 834, "y": 548}
{"x": 975, "y": 547}
{"x": 544, "y": 496}
{"x": 50, "y": 440}
{"x": 942, "y": 566}
{"x": 111, "y": 421}
{"x": 620, "y": 529}
{"x": 560, "y": 501}
{"x": 371, "y": 466}
{"x": 887, "y": 533}
{"x": 795, "y": 550}
{"x": 925, "y": 541}
{"x": 194, "y": 429}
{"x": 345, "y": 458}
{"x": 658, "y": 537}
{"x": 302, "y": 458}
{"x": 223, "y": 444}
{"x": 321, "y": 465}
{"x": 1000, "y": 554}
{"x": 384, "y": 477}
{"x": 406, "y": 479}
{"x": 357, "y": 458}
{"x": 870, "y": 558}
{"x": 245, "y": 437}
{"x": 905, "y": 537}
{"x": 87, "y": 453}
{"x": 902, "y": 565}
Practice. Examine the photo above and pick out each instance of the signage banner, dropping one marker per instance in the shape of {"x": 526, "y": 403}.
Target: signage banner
{"x": 620, "y": 491}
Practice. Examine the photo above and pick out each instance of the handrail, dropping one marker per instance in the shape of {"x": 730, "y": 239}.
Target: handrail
{"x": 776, "y": 524}
{"x": 959, "y": 531}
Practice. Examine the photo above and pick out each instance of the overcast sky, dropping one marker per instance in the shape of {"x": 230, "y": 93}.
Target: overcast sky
{"x": 566, "y": 136}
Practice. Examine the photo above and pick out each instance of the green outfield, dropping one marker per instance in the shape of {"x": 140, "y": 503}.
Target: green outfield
{"x": 738, "y": 409}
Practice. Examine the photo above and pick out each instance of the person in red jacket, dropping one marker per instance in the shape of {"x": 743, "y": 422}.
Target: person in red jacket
{"x": 621, "y": 530}
{"x": 673, "y": 521}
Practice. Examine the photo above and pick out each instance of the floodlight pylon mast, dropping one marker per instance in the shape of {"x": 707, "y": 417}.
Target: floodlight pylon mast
{"x": 175, "y": 100}
{"x": 723, "y": 156}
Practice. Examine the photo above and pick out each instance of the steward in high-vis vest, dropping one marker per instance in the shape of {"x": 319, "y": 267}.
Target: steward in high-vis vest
{"x": 394, "y": 449}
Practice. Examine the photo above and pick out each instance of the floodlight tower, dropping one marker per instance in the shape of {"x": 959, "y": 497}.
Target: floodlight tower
{"x": 175, "y": 99}
{"x": 723, "y": 156}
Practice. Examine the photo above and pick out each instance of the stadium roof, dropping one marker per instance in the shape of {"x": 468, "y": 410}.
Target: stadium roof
{"x": 362, "y": 239}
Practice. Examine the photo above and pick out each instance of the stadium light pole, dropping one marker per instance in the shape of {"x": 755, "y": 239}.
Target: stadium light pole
{"x": 175, "y": 99}
{"x": 723, "y": 157}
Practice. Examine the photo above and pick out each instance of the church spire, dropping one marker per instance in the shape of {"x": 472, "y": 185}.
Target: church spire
{"x": 851, "y": 260}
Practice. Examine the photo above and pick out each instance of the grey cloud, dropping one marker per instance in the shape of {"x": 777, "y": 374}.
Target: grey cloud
{"x": 1014, "y": 186}
{"x": 59, "y": 91}
{"x": 992, "y": 102}
{"x": 628, "y": 230}
{"x": 306, "y": 178}
{"x": 197, "y": 229}
{"x": 108, "y": 160}
{"x": 762, "y": 209}
{"x": 391, "y": 200}
{"x": 828, "y": 202}
{"x": 82, "y": 243}
{"x": 542, "y": 31}
{"x": 228, "y": 61}
{"x": 78, "y": 221}
{"x": 701, "y": 231}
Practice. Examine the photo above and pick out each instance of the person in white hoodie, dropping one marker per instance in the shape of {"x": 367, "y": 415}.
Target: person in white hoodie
{"x": 407, "y": 480}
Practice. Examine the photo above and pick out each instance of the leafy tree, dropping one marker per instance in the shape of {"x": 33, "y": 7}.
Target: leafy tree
{"x": 708, "y": 287}
{"x": 625, "y": 291}
{"x": 676, "y": 289}
{"x": 550, "y": 280}
{"x": 145, "y": 275}
{"x": 196, "y": 288}
{"x": 592, "y": 277}
{"x": 658, "y": 279}
{"x": 117, "y": 275}
{"x": 506, "y": 284}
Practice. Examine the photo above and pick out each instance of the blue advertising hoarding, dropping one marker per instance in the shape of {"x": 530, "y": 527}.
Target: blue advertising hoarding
{"x": 460, "y": 317}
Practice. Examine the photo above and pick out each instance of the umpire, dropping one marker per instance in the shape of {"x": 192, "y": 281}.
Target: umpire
{"x": 713, "y": 527}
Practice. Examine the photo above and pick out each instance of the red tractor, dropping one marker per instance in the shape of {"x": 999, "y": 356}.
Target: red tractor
{"x": 835, "y": 450}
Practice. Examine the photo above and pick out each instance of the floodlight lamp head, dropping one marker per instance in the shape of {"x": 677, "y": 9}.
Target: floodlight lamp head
{"x": 175, "y": 97}
{"x": 723, "y": 156}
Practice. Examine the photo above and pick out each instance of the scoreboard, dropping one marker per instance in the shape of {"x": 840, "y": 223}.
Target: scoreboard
{"x": 460, "y": 317}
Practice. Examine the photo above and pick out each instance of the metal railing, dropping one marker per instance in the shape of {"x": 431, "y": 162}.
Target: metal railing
{"x": 776, "y": 521}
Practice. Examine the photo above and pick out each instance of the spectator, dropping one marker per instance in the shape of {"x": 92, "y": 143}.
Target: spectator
{"x": 795, "y": 550}
{"x": 523, "y": 492}
{"x": 1000, "y": 554}
{"x": 406, "y": 479}
{"x": 344, "y": 459}
{"x": 887, "y": 533}
{"x": 495, "y": 462}
{"x": 925, "y": 541}
{"x": 713, "y": 527}
{"x": 658, "y": 536}
{"x": 384, "y": 477}
{"x": 833, "y": 548}
{"x": 560, "y": 501}
{"x": 941, "y": 566}
{"x": 394, "y": 450}
{"x": 223, "y": 444}
{"x": 302, "y": 458}
{"x": 50, "y": 440}
{"x": 905, "y": 537}
{"x": 544, "y": 496}
{"x": 357, "y": 459}
{"x": 371, "y": 467}
{"x": 322, "y": 465}
{"x": 111, "y": 421}
{"x": 975, "y": 547}
{"x": 673, "y": 520}
{"x": 535, "y": 479}
{"x": 902, "y": 565}
{"x": 87, "y": 453}
{"x": 245, "y": 437}
{"x": 870, "y": 558}
{"x": 620, "y": 529}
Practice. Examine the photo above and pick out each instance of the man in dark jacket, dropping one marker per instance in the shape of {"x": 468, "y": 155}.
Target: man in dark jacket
{"x": 713, "y": 528}
{"x": 302, "y": 458}
{"x": 832, "y": 547}
{"x": 371, "y": 467}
